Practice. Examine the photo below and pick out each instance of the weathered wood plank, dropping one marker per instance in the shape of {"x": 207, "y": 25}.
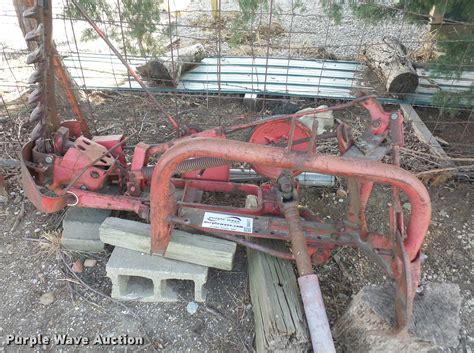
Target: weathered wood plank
{"x": 422, "y": 132}
{"x": 183, "y": 246}
{"x": 280, "y": 325}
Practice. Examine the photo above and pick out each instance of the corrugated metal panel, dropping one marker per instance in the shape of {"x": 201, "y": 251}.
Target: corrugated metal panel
{"x": 272, "y": 76}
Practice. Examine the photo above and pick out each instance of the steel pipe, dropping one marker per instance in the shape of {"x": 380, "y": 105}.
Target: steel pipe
{"x": 161, "y": 194}
{"x": 306, "y": 178}
{"x": 316, "y": 317}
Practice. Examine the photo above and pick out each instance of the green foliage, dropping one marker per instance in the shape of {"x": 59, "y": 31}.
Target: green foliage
{"x": 458, "y": 53}
{"x": 333, "y": 9}
{"x": 451, "y": 101}
{"x": 243, "y": 23}
{"x": 139, "y": 18}
{"x": 371, "y": 11}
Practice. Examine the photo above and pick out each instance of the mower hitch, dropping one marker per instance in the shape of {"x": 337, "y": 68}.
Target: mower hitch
{"x": 63, "y": 166}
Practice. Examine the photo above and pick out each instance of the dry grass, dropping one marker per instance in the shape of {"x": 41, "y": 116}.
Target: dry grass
{"x": 49, "y": 244}
{"x": 427, "y": 51}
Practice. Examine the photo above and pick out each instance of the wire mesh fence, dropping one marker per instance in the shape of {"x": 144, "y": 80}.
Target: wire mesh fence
{"x": 286, "y": 53}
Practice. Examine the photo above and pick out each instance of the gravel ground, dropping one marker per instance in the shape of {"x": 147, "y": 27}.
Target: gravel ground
{"x": 306, "y": 29}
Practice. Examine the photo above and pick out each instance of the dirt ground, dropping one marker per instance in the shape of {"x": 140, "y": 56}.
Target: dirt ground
{"x": 81, "y": 306}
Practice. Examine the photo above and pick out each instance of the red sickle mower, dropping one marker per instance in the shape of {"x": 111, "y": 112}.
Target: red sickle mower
{"x": 62, "y": 165}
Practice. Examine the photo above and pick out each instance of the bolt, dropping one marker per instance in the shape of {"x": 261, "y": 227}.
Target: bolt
{"x": 95, "y": 174}
{"x": 394, "y": 116}
{"x": 83, "y": 187}
{"x": 48, "y": 159}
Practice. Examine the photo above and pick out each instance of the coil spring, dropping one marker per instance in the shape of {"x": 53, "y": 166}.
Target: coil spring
{"x": 191, "y": 164}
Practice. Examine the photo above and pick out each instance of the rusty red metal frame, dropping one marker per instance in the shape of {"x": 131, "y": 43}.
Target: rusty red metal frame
{"x": 74, "y": 170}
{"x": 161, "y": 190}
{"x": 78, "y": 168}
{"x": 363, "y": 172}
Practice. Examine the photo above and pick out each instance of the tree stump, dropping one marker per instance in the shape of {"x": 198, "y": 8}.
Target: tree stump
{"x": 367, "y": 325}
{"x": 390, "y": 62}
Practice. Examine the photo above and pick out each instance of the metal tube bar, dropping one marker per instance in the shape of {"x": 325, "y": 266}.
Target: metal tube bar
{"x": 161, "y": 193}
{"x": 316, "y": 316}
{"x": 298, "y": 241}
{"x": 306, "y": 178}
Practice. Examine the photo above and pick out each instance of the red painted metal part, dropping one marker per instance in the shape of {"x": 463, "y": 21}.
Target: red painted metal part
{"x": 276, "y": 133}
{"x": 161, "y": 194}
{"x": 317, "y": 234}
{"x": 65, "y": 82}
{"x": 108, "y": 142}
{"x": 220, "y": 173}
{"x": 380, "y": 118}
{"x": 79, "y": 156}
{"x": 78, "y": 167}
{"x": 42, "y": 202}
{"x": 81, "y": 198}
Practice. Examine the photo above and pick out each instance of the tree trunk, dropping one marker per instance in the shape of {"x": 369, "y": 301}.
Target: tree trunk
{"x": 390, "y": 63}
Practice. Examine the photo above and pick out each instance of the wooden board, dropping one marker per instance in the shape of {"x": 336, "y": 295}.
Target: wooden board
{"x": 280, "y": 324}
{"x": 183, "y": 246}
{"x": 422, "y": 132}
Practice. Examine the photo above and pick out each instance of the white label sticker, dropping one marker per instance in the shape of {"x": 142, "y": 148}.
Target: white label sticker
{"x": 227, "y": 222}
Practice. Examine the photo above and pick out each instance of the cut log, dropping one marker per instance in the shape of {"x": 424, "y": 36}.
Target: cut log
{"x": 183, "y": 246}
{"x": 390, "y": 63}
{"x": 367, "y": 325}
{"x": 169, "y": 68}
{"x": 280, "y": 324}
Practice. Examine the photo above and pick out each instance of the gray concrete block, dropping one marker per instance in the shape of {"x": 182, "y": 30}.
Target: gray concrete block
{"x": 81, "y": 229}
{"x": 143, "y": 277}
